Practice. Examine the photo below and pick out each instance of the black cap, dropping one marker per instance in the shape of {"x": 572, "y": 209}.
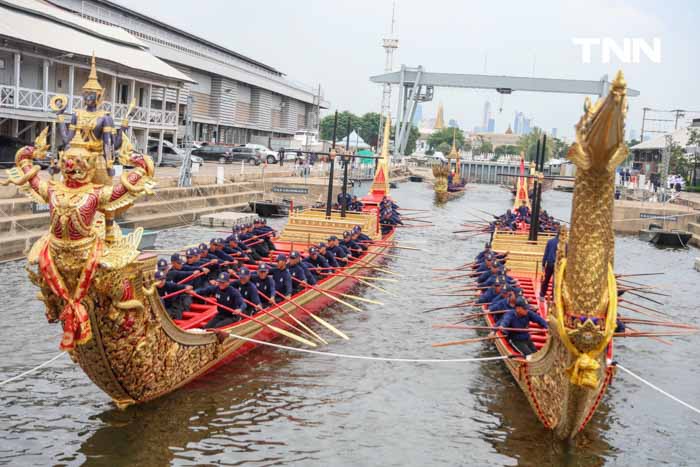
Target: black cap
{"x": 162, "y": 263}
{"x": 521, "y": 302}
{"x": 160, "y": 275}
{"x": 313, "y": 250}
{"x": 294, "y": 255}
{"x": 263, "y": 267}
{"x": 332, "y": 237}
{"x": 244, "y": 272}
{"x": 176, "y": 258}
{"x": 281, "y": 257}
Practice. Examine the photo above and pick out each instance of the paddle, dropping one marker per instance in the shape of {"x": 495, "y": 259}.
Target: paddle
{"x": 323, "y": 292}
{"x": 319, "y": 320}
{"x": 255, "y": 320}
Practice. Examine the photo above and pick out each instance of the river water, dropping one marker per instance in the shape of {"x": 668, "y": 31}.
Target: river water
{"x": 278, "y": 407}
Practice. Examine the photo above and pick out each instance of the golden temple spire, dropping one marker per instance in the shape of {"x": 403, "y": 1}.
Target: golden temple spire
{"x": 440, "y": 120}
{"x": 381, "y": 176}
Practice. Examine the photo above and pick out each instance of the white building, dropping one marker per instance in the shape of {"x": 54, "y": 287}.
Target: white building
{"x": 236, "y": 99}
{"x": 45, "y": 51}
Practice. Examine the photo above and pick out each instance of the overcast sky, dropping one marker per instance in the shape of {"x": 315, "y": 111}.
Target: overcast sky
{"x": 338, "y": 43}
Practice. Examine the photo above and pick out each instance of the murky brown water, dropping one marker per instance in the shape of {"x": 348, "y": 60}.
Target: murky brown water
{"x": 278, "y": 407}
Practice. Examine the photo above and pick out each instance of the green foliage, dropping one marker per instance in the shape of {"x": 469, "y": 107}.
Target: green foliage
{"x": 678, "y": 164}
{"x": 694, "y": 140}
{"x": 444, "y": 148}
{"x": 445, "y": 136}
{"x": 555, "y": 147}
{"x": 326, "y": 125}
{"x": 411, "y": 142}
{"x": 369, "y": 128}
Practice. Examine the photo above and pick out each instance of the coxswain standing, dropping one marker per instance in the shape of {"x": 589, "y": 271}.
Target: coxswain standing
{"x": 549, "y": 260}
{"x": 224, "y": 295}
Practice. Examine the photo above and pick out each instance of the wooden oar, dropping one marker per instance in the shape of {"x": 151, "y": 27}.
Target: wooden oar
{"x": 658, "y": 339}
{"x": 393, "y": 246}
{"x": 488, "y": 328}
{"x": 374, "y": 286}
{"x": 355, "y": 297}
{"x": 318, "y": 319}
{"x": 465, "y": 341}
{"x": 256, "y": 320}
{"x": 640, "y": 274}
{"x": 293, "y": 318}
{"x": 323, "y": 292}
{"x": 643, "y": 307}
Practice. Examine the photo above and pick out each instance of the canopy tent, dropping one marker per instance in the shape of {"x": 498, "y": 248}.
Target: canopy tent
{"x": 355, "y": 141}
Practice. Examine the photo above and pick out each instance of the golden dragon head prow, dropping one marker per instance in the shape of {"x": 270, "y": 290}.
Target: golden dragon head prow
{"x": 585, "y": 287}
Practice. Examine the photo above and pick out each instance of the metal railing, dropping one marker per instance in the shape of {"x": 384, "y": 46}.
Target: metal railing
{"x": 33, "y": 99}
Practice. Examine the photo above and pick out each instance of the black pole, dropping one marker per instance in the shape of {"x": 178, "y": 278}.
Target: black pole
{"x": 346, "y": 160}
{"x": 532, "y": 236}
{"x": 535, "y": 221}
{"x": 329, "y": 199}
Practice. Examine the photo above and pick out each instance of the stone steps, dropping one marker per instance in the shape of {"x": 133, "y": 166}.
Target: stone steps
{"x": 167, "y": 208}
{"x": 694, "y": 228}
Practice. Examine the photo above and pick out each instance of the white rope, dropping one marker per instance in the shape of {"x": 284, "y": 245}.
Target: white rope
{"x": 21, "y": 375}
{"x": 672, "y": 397}
{"x": 364, "y": 357}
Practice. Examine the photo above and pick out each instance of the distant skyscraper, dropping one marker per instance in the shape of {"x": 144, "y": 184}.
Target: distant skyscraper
{"x": 491, "y": 126}
{"x": 418, "y": 116}
{"x": 526, "y": 126}
{"x": 486, "y": 116}
{"x": 554, "y": 132}
{"x": 453, "y": 123}
{"x": 633, "y": 134}
{"x": 518, "y": 123}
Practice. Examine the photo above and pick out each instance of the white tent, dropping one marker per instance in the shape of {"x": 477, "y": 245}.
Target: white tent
{"x": 355, "y": 141}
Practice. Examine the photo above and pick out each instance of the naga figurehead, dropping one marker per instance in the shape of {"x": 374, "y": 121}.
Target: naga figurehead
{"x": 585, "y": 292}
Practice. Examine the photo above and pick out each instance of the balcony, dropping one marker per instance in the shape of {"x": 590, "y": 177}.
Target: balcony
{"x": 33, "y": 99}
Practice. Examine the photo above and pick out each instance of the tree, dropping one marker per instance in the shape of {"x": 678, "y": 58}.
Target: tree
{"x": 444, "y": 148}
{"x": 369, "y": 128}
{"x": 326, "y": 125}
{"x": 678, "y": 163}
{"x": 413, "y": 136}
{"x": 486, "y": 147}
{"x": 445, "y": 136}
{"x": 528, "y": 145}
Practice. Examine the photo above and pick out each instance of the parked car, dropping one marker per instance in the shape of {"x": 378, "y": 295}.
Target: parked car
{"x": 172, "y": 156}
{"x": 252, "y": 156}
{"x": 210, "y": 152}
{"x": 9, "y": 147}
{"x": 270, "y": 156}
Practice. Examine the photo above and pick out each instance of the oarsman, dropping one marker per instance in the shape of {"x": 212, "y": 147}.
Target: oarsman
{"x": 356, "y": 205}
{"x": 173, "y": 305}
{"x": 193, "y": 265}
{"x": 251, "y": 241}
{"x": 297, "y": 271}
{"x": 524, "y": 211}
{"x": 485, "y": 252}
{"x": 350, "y": 245}
{"x": 234, "y": 249}
{"x": 341, "y": 254}
{"x": 505, "y": 300}
{"x": 248, "y": 291}
{"x": 490, "y": 294}
{"x": 216, "y": 249}
{"x": 317, "y": 263}
{"x": 361, "y": 236}
{"x": 549, "y": 259}
{"x": 282, "y": 276}
{"x": 355, "y": 237}
{"x": 224, "y": 295}
{"x": 520, "y": 318}
{"x": 262, "y": 231}
{"x": 172, "y": 274}
{"x": 266, "y": 285}
{"x": 329, "y": 255}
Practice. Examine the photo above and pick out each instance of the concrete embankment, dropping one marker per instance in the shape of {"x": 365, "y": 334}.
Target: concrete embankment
{"x": 22, "y": 221}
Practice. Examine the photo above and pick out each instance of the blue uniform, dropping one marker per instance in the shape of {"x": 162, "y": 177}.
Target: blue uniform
{"x": 513, "y": 320}
{"x": 298, "y": 272}
{"x": 229, "y": 297}
{"x": 265, "y": 287}
{"x": 283, "y": 281}
{"x": 487, "y": 296}
{"x": 338, "y": 251}
{"x": 550, "y": 251}
{"x": 319, "y": 262}
{"x": 330, "y": 258}
{"x": 175, "y": 275}
{"x": 177, "y": 304}
{"x": 248, "y": 292}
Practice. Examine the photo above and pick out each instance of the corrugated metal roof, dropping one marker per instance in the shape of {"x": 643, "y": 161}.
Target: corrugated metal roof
{"x": 680, "y": 136}
{"x": 45, "y": 25}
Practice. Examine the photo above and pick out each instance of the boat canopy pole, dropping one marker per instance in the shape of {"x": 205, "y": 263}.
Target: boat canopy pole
{"x": 331, "y": 157}
{"x": 346, "y": 161}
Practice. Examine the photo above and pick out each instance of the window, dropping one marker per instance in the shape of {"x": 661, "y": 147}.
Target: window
{"x": 123, "y": 93}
